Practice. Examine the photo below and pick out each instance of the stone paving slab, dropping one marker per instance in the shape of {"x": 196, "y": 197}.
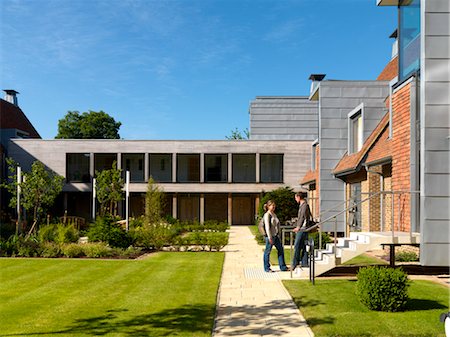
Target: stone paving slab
{"x": 252, "y": 302}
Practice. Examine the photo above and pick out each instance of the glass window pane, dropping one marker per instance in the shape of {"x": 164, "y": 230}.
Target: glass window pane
{"x": 216, "y": 166}
{"x": 188, "y": 168}
{"x": 409, "y": 39}
{"x": 133, "y": 162}
{"x": 271, "y": 168}
{"x": 104, "y": 161}
{"x": 77, "y": 168}
{"x": 161, "y": 167}
{"x": 244, "y": 168}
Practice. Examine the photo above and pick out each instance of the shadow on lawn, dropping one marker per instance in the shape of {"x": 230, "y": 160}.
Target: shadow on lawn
{"x": 178, "y": 321}
{"x": 415, "y": 304}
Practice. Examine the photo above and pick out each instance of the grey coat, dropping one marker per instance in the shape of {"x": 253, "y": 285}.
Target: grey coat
{"x": 303, "y": 213}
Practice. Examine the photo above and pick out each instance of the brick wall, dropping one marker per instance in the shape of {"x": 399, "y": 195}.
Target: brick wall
{"x": 401, "y": 138}
{"x": 365, "y": 206}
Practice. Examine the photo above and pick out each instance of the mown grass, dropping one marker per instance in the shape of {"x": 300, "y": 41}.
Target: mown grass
{"x": 331, "y": 308}
{"x": 167, "y": 294}
{"x": 365, "y": 260}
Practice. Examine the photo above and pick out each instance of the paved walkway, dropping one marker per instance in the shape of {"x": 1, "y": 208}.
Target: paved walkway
{"x": 252, "y": 302}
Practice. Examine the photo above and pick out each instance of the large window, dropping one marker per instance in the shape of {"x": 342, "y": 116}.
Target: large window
{"x": 161, "y": 167}
{"x": 409, "y": 38}
{"x": 104, "y": 161}
{"x": 216, "y": 166}
{"x": 244, "y": 168}
{"x": 133, "y": 162}
{"x": 188, "y": 168}
{"x": 77, "y": 168}
{"x": 271, "y": 168}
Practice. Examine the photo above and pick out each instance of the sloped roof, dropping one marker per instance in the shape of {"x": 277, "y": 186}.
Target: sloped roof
{"x": 309, "y": 177}
{"x": 350, "y": 163}
{"x": 390, "y": 71}
{"x": 12, "y": 117}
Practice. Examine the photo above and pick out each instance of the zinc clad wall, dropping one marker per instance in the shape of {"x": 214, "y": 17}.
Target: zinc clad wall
{"x": 435, "y": 132}
{"x": 283, "y": 118}
{"x": 337, "y": 100}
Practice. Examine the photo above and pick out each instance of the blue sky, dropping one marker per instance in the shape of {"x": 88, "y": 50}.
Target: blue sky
{"x": 181, "y": 69}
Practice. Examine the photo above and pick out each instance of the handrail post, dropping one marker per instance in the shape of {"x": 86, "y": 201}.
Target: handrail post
{"x": 399, "y": 210}
{"x": 320, "y": 237}
{"x": 392, "y": 215}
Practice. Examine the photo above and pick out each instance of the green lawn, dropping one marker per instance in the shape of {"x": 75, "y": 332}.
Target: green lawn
{"x": 331, "y": 308}
{"x": 365, "y": 260}
{"x": 167, "y": 294}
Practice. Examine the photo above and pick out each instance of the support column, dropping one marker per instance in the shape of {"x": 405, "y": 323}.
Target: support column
{"x": 202, "y": 168}
{"x": 256, "y": 206}
{"x": 91, "y": 165}
{"x": 174, "y": 167}
{"x": 119, "y": 161}
{"x": 174, "y": 206}
{"x": 146, "y": 167}
{"x": 258, "y": 169}
{"x": 230, "y": 168}
{"x": 202, "y": 208}
{"x": 230, "y": 209}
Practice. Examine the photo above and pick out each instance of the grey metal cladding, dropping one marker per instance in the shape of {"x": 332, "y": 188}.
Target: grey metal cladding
{"x": 337, "y": 100}
{"x": 435, "y": 132}
{"x": 285, "y": 118}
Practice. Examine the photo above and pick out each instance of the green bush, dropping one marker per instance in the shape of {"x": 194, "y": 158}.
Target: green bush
{"x": 325, "y": 239}
{"x": 106, "y": 229}
{"x": 96, "y": 249}
{"x": 50, "y": 249}
{"x": 72, "y": 250}
{"x": 27, "y": 247}
{"x": 154, "y": 236}
{"x": 9, "y": 247}
{"x": 382, "y": 289}
{"x": 406, "y": 256}
{"x": 47, "y": 233}
{"x": 286, "y": 206}
{"x": 216, "y": 241}
{"x": 66, "y": 234}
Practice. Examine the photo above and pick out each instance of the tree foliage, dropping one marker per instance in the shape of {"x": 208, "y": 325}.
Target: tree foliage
{"x": 39, "y": 188}
{"x": 286, "y": 206}
{"x": 88, "y": 125}
{"x": 154, "y": 202}
{"x": 109, "y": 189}
{"x": 237, "y": 134}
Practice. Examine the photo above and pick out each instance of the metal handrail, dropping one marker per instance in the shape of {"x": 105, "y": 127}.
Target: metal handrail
{"x": 371, "y": 195}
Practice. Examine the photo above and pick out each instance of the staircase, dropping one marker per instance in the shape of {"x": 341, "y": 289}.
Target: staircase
{"x": 348, "y": 248}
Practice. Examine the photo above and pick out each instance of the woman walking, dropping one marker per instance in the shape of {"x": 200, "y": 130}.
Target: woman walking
{"x": 272, "y": 237}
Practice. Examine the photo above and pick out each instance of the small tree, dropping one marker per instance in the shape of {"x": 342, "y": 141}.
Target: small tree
{"x": 109, "y": 188}
{"x": 286, "y": 206}
{"x": 237, "y": 134}
{"x": 39, "y": 188}
{"x": 154, "y": 202}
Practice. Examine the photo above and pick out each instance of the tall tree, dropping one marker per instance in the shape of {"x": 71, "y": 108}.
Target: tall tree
{"x": 39, "y": 188}
{"x": 154, "y": 202}
{"x": 238, "y": 134}
{"x": 109, "y": 188}
{"x": 88, "y": 125}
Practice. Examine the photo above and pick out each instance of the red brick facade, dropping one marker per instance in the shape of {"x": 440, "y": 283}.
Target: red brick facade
{"x": 401, "y": 140}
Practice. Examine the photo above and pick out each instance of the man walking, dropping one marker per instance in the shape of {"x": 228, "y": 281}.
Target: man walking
{"x": 304, "y": 213}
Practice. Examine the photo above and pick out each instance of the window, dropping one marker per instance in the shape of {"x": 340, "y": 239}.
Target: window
{"x": 77, "y": 168}
{"x": 409, "y": 38}
{"x": 188, "y": 168}
{"x": 133, "y": 162}
{"x": 216, "y": 166}
{"x": 355, "y": 130}
{"x": 161, "y": 167}
{"x": 244, "y": 168}
{"x": 104, "y": 161}
{"x": 271, "y": 168}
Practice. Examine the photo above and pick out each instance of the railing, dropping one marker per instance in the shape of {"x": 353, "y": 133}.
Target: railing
{"x": 355, "y": 204}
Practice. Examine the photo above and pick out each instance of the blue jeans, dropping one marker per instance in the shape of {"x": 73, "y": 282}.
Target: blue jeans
{"x": 279, "y": 246}
{"x": 300, "y": 253}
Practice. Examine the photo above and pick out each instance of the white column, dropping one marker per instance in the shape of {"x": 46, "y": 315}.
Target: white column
{"x": 19, "y": 180}
{"x": 202, "y": 208}
{"x": 94, "y": 196}
{"x": 127, "y": 199}
{"x": 230, "y": 209}
{"x": 202, "y": 167}
{"x": 258, "y": 170}
{"x": 174, "y": 167}
{"x": 230, "y": 167}
{"x": 174, "y": 206}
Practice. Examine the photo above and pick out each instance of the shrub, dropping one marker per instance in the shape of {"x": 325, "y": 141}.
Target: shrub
{"x": 72, "y": 250}
{"x": 27, "y": 247}
{"x": 97, "y": 249}
{"x": 127, "y": 253}
{"x": 216, "y": 241}
{"x": 325, "y": 239}
{"x": 407, "y": 254}
{"x": 382, "y": 289}
{"x": 47, "y": 233}
{"x": 66, "y": 234}
{"x": 9, "y": 247}
{"x": 50, "y": 249}
{"x": 106, "y": 229}
{"x": 154, "y": 236}
{"x": 287, "y": 207}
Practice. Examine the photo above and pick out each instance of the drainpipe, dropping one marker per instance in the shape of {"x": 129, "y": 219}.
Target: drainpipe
{"x": 381, "y": 196}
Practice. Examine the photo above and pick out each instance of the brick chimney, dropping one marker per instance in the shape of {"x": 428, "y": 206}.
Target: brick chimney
{"x": 11, "y": 96}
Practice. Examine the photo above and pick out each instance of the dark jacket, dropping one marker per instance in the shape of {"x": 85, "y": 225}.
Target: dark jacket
{"x": 303, "y": 213}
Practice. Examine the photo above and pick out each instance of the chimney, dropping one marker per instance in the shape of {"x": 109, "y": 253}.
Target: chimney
{"x": 315, "y": 78}
{"x": 11, "y": 96}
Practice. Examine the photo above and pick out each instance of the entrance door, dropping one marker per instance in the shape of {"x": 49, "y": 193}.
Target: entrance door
{"x": 243, "y": 210}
